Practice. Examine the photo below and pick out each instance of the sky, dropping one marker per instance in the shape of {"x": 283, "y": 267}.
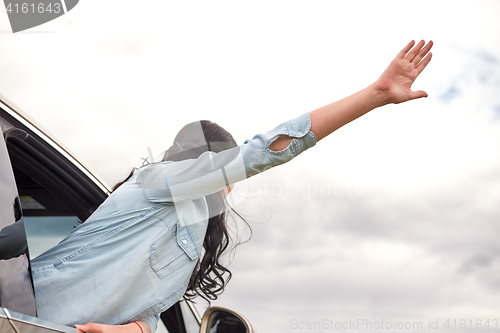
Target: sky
{"x": 391, "y": 219}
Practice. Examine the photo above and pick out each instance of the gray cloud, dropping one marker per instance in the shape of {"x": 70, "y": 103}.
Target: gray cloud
{"x": 377, "y": 255}
{"x": 477, "y": 261}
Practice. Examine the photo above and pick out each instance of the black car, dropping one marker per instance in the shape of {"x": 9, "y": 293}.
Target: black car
{"x": 45, "y": 192}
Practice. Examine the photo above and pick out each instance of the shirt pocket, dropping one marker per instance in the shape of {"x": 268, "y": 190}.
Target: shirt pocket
{"x": 173, "y": 250}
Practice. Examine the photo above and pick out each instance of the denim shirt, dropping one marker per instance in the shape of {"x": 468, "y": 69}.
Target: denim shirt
{"x": 133, "y": 258}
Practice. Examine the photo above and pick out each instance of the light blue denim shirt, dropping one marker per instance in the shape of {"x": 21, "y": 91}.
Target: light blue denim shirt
{"x": 132, "y": 259}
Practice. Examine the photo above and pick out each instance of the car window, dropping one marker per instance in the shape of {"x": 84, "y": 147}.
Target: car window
{"x": 55, "y": 197}
{"x": 49, "y": 184}
{"x": 47, "y": 211}
{"x": 44, "y": 232}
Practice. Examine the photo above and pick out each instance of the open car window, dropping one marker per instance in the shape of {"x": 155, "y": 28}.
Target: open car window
{"x": 54, "y": 197}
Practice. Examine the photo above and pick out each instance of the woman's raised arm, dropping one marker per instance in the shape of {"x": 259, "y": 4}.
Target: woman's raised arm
{"x": 393, "y": 86}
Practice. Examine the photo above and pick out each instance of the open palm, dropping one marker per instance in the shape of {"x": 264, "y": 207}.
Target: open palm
{"x": 397, "y": 79}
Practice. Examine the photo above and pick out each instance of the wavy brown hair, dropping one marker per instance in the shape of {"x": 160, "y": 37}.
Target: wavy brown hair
{"x": 210, "y": 276}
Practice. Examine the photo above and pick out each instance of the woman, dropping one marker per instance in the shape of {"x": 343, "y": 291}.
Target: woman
{"x": 141, "y": 250}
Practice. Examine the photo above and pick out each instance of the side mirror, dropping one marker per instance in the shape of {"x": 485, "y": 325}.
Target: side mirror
{"x": 222, "y": 320}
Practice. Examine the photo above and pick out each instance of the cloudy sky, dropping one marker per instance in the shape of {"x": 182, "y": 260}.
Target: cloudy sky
{"x": 394, "y": 218}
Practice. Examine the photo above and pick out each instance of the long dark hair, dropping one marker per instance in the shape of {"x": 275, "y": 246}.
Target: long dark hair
{"x": 210, "y": 276}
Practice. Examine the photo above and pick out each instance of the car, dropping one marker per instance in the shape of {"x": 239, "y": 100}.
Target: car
{"x": 45, "y": 193}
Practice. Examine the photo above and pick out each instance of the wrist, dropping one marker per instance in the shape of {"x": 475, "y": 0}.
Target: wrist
{"x": 379, "y": 94}
{"x": 138, "y": 325}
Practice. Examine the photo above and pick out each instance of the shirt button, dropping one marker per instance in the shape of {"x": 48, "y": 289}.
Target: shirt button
{"x": 184, "y": 241}
{"x": 300, "y": 133}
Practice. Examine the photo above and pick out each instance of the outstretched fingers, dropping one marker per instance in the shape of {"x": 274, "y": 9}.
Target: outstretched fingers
{"x": 418, "y": 55}
{"x": 414, "y": 51}
{"x": 404, "y": 51}
{"x": 422, "y": 53}
{"x": 421, "y": 65}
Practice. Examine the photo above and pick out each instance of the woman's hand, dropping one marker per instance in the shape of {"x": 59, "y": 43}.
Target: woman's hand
{"x": 395, "y": 83}
{"x": 394, "y": 86}
{"x": 101, "y": 328}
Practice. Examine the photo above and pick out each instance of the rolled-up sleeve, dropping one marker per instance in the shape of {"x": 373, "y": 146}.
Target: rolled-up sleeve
{"x": 212, "y": 172}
